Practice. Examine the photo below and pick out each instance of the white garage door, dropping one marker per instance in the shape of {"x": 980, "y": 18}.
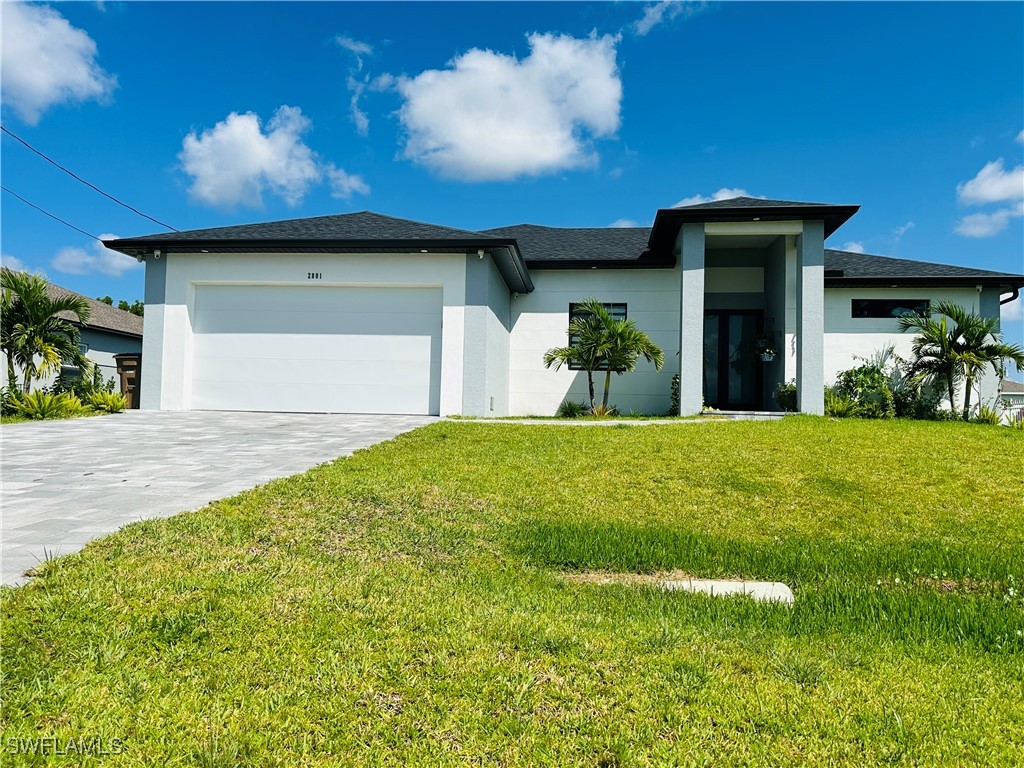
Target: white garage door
{"x": 317, "y": 348}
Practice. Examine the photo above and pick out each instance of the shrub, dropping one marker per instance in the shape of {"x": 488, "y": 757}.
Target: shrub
{"x": 868, "y": 386}
{"x": 569, "y": 409}
{"x": 987, "y": 415}
{"x": 108, "y": 402}
{"x": 8, "y": 397}
{"x": 840, "y": 405}
{"x": 72, "y": 380}
{"x": 44, "y": 405}
{"x": 673, "y": 408}
{"x": 601, "y": 411}
{"x": 785, "y": 395}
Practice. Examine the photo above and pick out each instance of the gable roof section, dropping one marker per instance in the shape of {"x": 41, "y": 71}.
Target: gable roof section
{"x": 747, "y": 202}
{"x": 845, "y": 268}
{"x": 364, "y": 226}
{"x": 362, "y": 232}
{"x": 103, "y": 317}
{"x": 668, "y": 221}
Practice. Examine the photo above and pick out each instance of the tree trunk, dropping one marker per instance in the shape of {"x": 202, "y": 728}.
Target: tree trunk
{"x": 950, "y": 390}
{"x": 607, "y": 386}
{"x": 590, "y": 384}
{"x": 967, "y": 397}
{"x": 12, "y": 378}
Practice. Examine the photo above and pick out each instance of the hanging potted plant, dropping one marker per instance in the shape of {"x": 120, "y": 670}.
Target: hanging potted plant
{"x": 763, "y": 348}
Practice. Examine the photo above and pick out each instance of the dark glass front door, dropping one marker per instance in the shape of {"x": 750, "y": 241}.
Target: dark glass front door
{"x": 732, "y": 368}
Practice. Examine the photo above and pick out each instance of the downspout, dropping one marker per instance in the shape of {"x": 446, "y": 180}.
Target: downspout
{"x": 1013, "y": 297}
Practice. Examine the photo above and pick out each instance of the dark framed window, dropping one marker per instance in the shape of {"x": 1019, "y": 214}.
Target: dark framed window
{"x": 888, "y": 307}
{"x": 617, "y": 311}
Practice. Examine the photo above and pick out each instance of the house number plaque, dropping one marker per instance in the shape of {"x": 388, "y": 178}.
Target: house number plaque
{"x": 314, "y": 275}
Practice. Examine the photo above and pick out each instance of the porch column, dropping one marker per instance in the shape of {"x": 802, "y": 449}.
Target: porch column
{"x": 810, "y": 318}
{"x": 690, "y": 245}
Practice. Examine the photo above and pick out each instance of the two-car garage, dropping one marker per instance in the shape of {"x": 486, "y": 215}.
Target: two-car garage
{"x": 309, "y": 348}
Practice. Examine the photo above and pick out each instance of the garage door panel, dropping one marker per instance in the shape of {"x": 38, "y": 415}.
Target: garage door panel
{"x": 314, "y": 298}
{"x": 257, "y": 396}
{"x": 296, "y": 320}
{"x": 275, "y": 348}
{"x": 316, "y": 348}
{"x": 390, "y": 374}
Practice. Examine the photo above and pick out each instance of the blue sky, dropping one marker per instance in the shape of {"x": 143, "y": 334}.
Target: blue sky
{"x": 480, "y": 115}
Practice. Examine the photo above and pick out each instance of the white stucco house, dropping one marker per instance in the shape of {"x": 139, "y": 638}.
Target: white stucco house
{"x": 364, "y": 313}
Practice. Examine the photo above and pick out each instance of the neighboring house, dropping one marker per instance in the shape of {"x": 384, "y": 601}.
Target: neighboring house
{"x": 109, "y": 331}
{"x": 1011, "y": 396}
{"x": 367, "y": 313}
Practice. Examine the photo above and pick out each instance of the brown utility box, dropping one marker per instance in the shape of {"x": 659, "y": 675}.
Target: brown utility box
{"x": 129, "y": 368}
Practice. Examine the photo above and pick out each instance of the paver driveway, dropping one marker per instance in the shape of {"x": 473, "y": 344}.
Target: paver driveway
{"x": 66, "y": 482}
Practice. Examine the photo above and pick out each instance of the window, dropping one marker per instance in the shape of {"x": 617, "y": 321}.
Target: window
{"x": 617, "y": 311}
{"x": 888, "y": 307}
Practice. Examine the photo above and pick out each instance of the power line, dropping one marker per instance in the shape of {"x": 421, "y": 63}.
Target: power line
{"x": 55, "y": 218}
{"x": 75, "y": 176}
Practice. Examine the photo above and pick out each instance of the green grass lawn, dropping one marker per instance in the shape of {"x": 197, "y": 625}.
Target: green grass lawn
{"x": 405, "y": 606}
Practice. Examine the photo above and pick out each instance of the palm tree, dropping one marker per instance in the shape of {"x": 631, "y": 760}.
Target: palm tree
{"x": 32, "y": 334}
{"x": 956, "y": 346}
{"x": 599, "y": 341}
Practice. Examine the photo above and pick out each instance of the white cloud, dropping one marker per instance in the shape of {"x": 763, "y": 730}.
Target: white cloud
{"x": 854, "y": 246}
{"x": 12, "y": 263}
{"x": 667, "y": 10}
{"x": 344, "y": 185}
{"x": 623, "y": 223}
{"x": 97, "y": 259}
{"x": 236, "y": 161}
{"x": 725, "y": 193}
{"x": 489, "y": 116}
{"x": 988, "y": 224}
{"x": 359, "y": 118}
{"x": 1012, "y": 311}
{"x": 46, "y": 61}
{"x": 993, "y": 184}
{"x": 899, "y": 232}
{"x": 356, "y": 86}
{"x": 1020, "y": 137}
{"x": 356, "y": 47}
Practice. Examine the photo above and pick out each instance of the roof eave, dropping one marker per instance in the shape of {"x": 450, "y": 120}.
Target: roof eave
{"x": 1007, "y": 282}
{"x": 513, "y": 268}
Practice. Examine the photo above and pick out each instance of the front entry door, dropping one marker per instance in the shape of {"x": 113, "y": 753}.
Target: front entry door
{"x": 732, "y": 369}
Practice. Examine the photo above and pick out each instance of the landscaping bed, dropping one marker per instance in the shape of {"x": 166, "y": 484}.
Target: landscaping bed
{"x": 409, "y": 606}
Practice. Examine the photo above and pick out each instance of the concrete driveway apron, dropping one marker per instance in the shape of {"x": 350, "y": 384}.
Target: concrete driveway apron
{"x": 67, "y": 482}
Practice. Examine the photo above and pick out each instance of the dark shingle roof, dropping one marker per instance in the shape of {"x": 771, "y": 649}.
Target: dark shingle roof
{"x": 554, "y": 247}
{"x": 540, "y": 245}
{"x": 364, "y": 225}
{"x": 865, "y": 266}
{"x": 747, "y": 202}
{"x": 103, "y": 317}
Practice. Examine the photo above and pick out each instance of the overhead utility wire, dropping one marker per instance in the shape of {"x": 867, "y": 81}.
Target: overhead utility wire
{"x": 55, "y": 218}
{"x": 75, "y": 176}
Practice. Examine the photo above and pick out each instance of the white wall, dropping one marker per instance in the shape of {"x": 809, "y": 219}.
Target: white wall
{"x": 847, "y": 336}
{"x": 498, "y": 323}
{"x": 540, "y": 321}
{"x": 167, "y": 355}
